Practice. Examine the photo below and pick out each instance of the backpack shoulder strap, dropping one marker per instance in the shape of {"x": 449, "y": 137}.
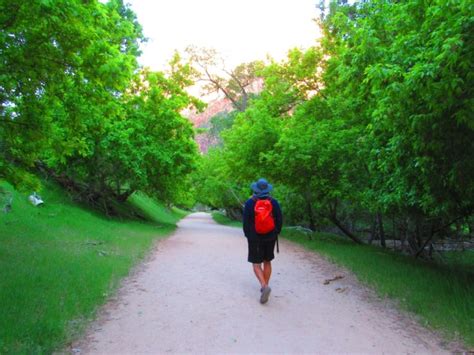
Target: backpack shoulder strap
{"x": 269, "y": 198}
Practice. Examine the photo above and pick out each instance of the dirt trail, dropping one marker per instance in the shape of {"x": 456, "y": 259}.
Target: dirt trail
{"x": 197, "y": 294}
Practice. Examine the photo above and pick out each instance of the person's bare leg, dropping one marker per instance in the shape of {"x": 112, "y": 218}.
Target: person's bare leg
{"x": 267, "y": 271}
{"x": 257, "y": 269}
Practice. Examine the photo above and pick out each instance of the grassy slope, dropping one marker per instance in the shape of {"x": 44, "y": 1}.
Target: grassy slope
{"x": 223, "y": 219}
{"x": 441, "y": 294}
{"x": 154, "y": 211}
{"x": 59, "y": 262}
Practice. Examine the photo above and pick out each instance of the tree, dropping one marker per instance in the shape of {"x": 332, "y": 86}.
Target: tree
{"x": 235, "y": 84}
{"x": 373, "y": 124}
{"x": 141, "y": 143}
{"x": 46, "y": 52}
{"x": 400, "y": 68}
{"x": 317, "y": 156}
{"x": 215, "y": 187}
{"x": 292, "y": 81}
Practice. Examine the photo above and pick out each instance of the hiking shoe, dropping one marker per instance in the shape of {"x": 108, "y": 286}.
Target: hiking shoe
{"x": 265, "y": 294}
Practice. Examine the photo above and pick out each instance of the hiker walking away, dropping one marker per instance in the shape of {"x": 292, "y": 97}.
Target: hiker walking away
{"x": 262, "y": 225}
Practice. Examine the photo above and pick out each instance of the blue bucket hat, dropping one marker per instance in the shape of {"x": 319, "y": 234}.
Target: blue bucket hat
{"x": 261, "y": 187}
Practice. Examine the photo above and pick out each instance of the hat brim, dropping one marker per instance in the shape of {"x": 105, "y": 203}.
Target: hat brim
{"x": 255, "y": 188}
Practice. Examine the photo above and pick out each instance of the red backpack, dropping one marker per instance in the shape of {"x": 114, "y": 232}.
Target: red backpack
{"x": 264, "y": 222}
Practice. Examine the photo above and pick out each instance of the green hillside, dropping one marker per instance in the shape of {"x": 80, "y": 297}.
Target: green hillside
{"x": 60, "y": 261}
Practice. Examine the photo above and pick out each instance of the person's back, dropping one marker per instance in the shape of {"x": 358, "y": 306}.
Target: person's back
{"x": 249, "y": 219}
{"x": 261, "y": 245}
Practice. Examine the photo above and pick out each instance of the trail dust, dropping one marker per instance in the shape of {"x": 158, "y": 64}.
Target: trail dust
{"x": 197, "y": 294}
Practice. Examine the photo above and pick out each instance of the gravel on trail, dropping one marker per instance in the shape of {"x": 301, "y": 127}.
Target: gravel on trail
{"x": 196, "y": 293}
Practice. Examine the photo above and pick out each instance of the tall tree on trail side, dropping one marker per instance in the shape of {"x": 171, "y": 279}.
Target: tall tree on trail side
{"x": 144, "y": 142}
{"x": 404, "y": 71}
{"x": 234, "y": 84}
{"x": 58, "y": 60}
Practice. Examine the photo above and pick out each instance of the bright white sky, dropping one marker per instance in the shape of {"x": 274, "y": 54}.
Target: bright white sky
{"x": 242, "y": 30}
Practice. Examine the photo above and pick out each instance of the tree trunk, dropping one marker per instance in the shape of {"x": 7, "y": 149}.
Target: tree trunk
{"x": 244, "y": 101}
{"x": 411, "y": 239}
{"x": 373, "y": 231}
{"x": 234, "y": 213}
{"x": 395, "y": 236}
{"x": 458, "y": 229}
{"x": 429, "y": 241}
{"x": 344, "y": 230}
{"x": 411, "y": 244}
{"x": 403, "y": 232}
{"x": 309, "y": 211}
{"x": 381, "y": 229}
{"x": 125, "y": 195}
{"x": 418, "y": 233}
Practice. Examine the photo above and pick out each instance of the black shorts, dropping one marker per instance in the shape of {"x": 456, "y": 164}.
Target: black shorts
{"x": 261, "y": 250}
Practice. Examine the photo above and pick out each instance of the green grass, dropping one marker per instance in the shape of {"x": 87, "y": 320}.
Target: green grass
{"x": 459, "y": 259}
{"x": 223, "y": 219}
{"x": 441, "y": 294}
{"x": 60, "y": 262}
{"x": 155, "y": 211}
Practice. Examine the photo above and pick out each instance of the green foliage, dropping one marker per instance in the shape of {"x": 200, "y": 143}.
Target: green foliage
{"x": 253, "y": 134}
{"x": 214, "y": 187}
{"x": 223, "y": 219}
{"x": 153, "y": 210}
{"x": 319, "y": 156}
{"x": 220, "y": 123}
{"x": 74, "y": 102}
{"x": 373, "y": 124}
{"x": 293, "y": 81}
{"x": 427, "y": 91}
{"x": 59, "y": 62}
{"x": 60, "y": 262}
{"x": 145, "y": 145}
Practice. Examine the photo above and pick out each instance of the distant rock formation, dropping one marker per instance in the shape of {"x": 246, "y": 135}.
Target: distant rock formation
{"x": 215, "y": 106}
{"x": 201, "y": 120}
